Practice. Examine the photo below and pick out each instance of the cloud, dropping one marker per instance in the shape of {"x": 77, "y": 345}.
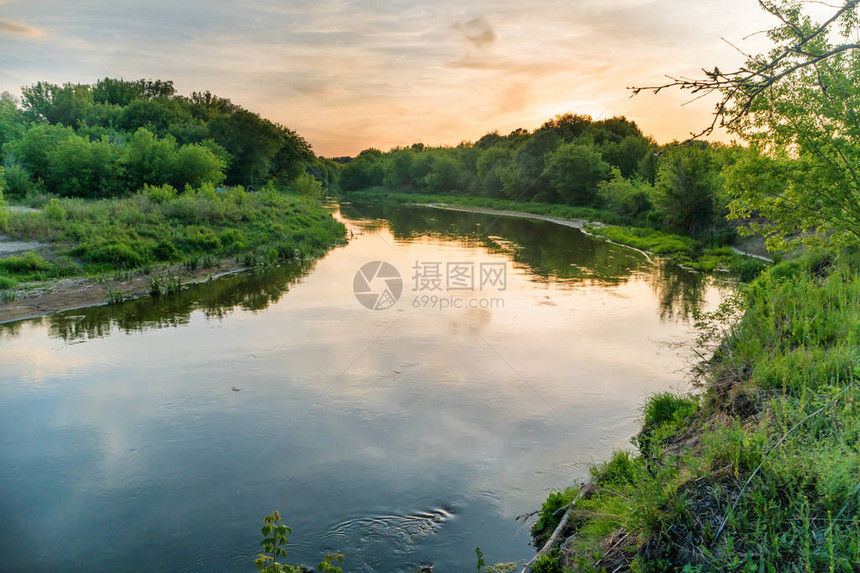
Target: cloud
{"x": 10, "y": 27}
{"x": 478, "y": 31}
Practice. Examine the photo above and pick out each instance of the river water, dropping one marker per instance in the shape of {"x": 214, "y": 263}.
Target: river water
{"x": 155, "y": 435}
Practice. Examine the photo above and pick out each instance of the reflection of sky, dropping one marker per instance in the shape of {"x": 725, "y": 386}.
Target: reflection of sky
{"x": 344, "y": 416}
{"x": 353, "y": 74}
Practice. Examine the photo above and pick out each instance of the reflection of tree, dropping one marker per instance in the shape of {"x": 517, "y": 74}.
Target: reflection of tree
{"x": 215, "y": 299}
{"x": 13, "y": 329}
{"x": 678, "y": 291}
{"x": 550, "y": 251}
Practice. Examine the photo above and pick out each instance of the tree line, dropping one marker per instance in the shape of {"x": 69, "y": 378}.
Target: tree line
{"x": 113, "y": 137}
{"x": 571, "y": 159}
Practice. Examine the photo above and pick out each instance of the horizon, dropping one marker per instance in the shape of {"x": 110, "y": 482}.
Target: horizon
{"x": 348, "y": 75}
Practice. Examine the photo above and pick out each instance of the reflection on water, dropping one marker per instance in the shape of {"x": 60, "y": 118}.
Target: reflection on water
{"x": 550, "y": 252}
{"x": 160, "y": 431}
{"x": 248, "y": 291}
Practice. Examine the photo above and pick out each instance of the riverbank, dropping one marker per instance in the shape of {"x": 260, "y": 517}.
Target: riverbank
{"x": 758, "y": 469}
{"x": 744, "y": 261}
{"x": 73, "y": 253}
{"x": 80, "y": 292}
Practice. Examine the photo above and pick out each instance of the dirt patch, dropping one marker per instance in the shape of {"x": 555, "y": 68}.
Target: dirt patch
{"x": 9, "y": 247}
{"x": 65, "y": 294}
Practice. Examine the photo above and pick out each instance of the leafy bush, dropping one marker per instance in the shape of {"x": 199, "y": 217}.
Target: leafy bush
{"x": 307, "y": 185}
{"x": 122, "y": 255}
{"x": 547, "y": 564}
{"x": 631, "y": 197}
{"x": 28, "y": 262}
{"x": 159, "y": 193}
{"x": 55, "y": 211}
{"x": 550, "y": 516}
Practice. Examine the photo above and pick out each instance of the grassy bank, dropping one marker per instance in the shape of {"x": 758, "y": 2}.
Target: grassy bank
{"x": 158, "y": 226}
{"x": 702, "y": 256}
{"x": 758, "y": 472}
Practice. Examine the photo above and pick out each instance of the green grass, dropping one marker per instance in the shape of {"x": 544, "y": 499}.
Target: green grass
{"x": 159, "y": 225}
{"x": 780, "y": 407}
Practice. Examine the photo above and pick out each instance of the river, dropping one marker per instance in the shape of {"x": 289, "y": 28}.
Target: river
{"x": 156, "y": 434}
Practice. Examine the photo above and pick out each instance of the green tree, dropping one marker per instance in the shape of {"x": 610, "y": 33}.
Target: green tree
{"x": 686, "y": 190}
{"x": 66, "y": 104}
{"x": 575, "y": 171}
{"x": 32, "y": 148}
{"x": 307, "y": 185}
{"x": 149, "y": 160}
{"x": 798, "y": 107}
{"x": 3, "y": 215}
{"x": 252, "y": 143}
{"x": 366, "y": 170}
{"x": 445, "y": 175}
{"x": 631, "y": 197}
{"x": 196, "y": 164}
{"x": 11, "y": 120}
{"x": 531, "y": 167}
{"x": 80, "y": 168}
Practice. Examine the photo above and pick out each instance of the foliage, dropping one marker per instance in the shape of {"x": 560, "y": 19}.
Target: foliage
{"x": 629, "y": 197}
{"x": 575, "y": 171}
{"x": 769, "y": 449}
{"x": 274, "y": 547}
{"x": 3, "y": 216}
{"x": 550, "y": 516}
{"x": 307, "y": 185}
{"x": 685, "y": 192}
{"x": 547, "y": 564}
{"x": 111, "y": 138}
{"x": 159, "y": 225}
{"x": 606, "y": 168}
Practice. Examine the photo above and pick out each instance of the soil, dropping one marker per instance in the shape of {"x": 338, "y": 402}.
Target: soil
{"x": 70, "y": 293}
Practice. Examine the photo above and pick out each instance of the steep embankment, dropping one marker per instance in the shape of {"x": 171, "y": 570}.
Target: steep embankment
{"x": 759, "y": 472}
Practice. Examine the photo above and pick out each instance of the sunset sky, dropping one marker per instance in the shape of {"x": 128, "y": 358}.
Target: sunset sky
{"x": 348, "y": 75}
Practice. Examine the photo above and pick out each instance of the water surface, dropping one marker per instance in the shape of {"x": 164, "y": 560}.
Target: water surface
{"x": 156, "y": 434}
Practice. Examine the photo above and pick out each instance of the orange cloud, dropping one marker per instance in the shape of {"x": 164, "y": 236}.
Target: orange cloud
{"x": 18, "y": 29}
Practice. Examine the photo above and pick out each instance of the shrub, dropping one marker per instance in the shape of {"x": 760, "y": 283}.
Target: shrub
{"x": 28, "y": 262}
{"x": 550, "y": 516}
{"x": 625, "y": 196}
{"x": 307, "y": 185}
{"x": 547, "y": 564}
{"x": 18, "y": 182}
{"x": 116, "y": 254}
{"x": 159, "y": 193}
{"x": 165, "y": 251}
{"x": 666, "y": 408}
{"x": 55, "y": 211}
{"x": 3, "y": 214}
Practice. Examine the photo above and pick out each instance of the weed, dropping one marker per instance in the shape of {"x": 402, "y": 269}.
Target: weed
{"x": 115, "y": 297}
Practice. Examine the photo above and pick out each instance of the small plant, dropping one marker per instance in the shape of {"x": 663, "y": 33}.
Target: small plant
{"x": 115, "y": 297}
{"x": 274, "y": 544}
{"x": 550, "y": 515}
{"x": 173, "y": 284}
{"x": 480, "y": 565}
{"x": 547, "y": 564}
{"x": 154, "y": 287}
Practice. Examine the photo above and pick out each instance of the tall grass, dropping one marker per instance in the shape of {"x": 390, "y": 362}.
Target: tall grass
{"x": 159, "y": 225}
